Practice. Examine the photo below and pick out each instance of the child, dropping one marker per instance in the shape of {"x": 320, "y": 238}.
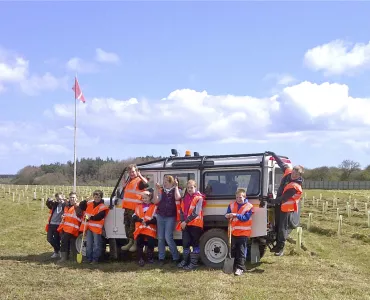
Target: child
{"x": 145, "y": 227}
{"x": 191, "y": 216}
{"x": 95, "y": 214}
{"x": 239, "y": 213}
{"x": 70, "y": 228}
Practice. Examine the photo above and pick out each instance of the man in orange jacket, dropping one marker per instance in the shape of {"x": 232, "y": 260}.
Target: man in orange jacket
{"x": 286, "y": 202}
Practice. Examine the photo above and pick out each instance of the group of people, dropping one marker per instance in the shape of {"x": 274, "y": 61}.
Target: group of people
{"x": 151, "y": 214}
{"x": 67, "y": 218}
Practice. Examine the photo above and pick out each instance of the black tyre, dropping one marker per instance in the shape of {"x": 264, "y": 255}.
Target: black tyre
{"x": 213, "y": 248}
{"x": 114, "y": 249}
{"x": 262, "y": 248}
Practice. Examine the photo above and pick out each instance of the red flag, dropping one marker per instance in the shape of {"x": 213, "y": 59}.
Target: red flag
{"x": 78, "y": 92}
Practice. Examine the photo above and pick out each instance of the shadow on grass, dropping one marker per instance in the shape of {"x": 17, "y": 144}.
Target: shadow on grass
{"x": 126, "y": 264}
{"x": 361, "y": 237}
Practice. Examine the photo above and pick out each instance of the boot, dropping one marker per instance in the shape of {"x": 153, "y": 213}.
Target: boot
{"x": 185, "y": 258}
{"x": 194, "y": 257}
{"x": 128, "y": 246}
{"x": 149, "y": 256}
{"x": 63, "y": 258}
{"x": 141, "y": 261}
{"x": 133, "y": 247}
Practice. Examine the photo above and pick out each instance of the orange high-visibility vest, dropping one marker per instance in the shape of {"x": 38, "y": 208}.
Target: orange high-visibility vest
{"x": 239, "y": 228}
{"x": 60, "y": 227}
{"x": 292, "y": 203}
{"x": 94, "y": 226}
{"x": 151, "y": 229}
{"x": 71, "y": 223}
{"x": 198, "y": 221}
{"x": 132, "y": 194}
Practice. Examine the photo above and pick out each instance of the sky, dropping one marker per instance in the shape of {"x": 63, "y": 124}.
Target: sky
{"x": 212, "y": 77}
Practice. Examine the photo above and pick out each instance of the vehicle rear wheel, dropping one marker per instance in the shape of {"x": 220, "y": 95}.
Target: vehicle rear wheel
{"x": 214, "y": 249}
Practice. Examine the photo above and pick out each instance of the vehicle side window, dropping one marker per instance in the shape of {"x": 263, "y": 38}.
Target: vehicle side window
{"x": 150, "y": 178}
{"x": 278, "y": 176}
{"x": 225, "y": 183}
{"x": 182, "y": 178}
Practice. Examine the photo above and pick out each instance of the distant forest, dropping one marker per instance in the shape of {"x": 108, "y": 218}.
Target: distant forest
{"x": 105, "y": 172}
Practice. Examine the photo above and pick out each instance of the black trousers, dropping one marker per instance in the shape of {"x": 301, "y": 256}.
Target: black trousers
{"x": 191, "y": 236}
{"x": 68, "y": 242}
{"x": 282, "y": 228}
{"x": 140, "y": 240}
{"x": 239, "y": 248}
{"x": 53, "y": 237}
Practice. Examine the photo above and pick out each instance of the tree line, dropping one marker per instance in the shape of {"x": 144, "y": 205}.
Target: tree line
{"x": 105, "y": 172}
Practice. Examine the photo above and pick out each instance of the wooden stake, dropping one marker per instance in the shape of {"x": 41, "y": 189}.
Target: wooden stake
{"x": 309, "y": 221}
{"x": 340, "y": 223}
{"x": 326, "y": 206}
{"x": 42, "y": 203}
{"x": 365, "y": 205}
{"x": 34, "y": 196}
{"x": 337, "y": 214}
{"x": 313, "y": 200}
{"x": 355, "y": 204}
{"x": 299, "y": 238}
{"x": 320, "y": 196}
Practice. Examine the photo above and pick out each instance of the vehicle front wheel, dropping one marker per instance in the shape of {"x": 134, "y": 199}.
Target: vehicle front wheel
{"x": 78, "y": 244}
{"x": 214, "y": 249}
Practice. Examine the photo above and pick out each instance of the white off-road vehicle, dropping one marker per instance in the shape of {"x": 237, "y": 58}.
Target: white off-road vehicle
{"x": 218, "y": 177}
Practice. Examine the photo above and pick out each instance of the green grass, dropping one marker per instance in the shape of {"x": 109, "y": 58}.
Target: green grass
{"x": 332, "y": 267}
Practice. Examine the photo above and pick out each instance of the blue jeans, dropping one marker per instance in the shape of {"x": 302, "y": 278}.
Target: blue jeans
{"x": 93, "y": 246}
{"x": 165, "y": 228}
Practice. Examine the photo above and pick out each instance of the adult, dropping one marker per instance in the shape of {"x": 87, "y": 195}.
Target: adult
{"x": 131, "y": 197}
{"x": 286, "y": 202}
{"x": 95, "y": 214}
{"x": 56, "y": 210}
{"x": 166, "y": 200}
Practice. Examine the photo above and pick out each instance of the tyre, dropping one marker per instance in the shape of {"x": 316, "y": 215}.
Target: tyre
{"x": 78, "y": 244}
{"x": 114, "y": 249}
{"x": 213, "y": 248}
{"x": 262, "y": 249}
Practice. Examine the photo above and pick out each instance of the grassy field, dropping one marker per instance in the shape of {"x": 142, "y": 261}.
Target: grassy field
{"x": 329, "y": 267}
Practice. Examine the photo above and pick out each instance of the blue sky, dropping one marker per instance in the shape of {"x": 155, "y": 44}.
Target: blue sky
{"x": 264, "y": 88}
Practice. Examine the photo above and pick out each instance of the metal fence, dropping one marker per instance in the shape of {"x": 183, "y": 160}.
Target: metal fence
{"x": 337, "y": 185}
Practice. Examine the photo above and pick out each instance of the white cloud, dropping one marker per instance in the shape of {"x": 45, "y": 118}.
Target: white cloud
{"x": 14, "y": 69}
{"x": 106, "y": 57}
{"x": 281, "y": 79}
{"x": 305, "y": 112}
{"x": 338, "y": 57}
{"x": 77, "y": 64}
{"x": 47, "y": 82}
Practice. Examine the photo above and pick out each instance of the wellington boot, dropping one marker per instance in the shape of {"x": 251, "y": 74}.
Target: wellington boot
{"x": 128, "y": 246}
{"x": 133, "y": 247}
{"x": 63, "y": 258}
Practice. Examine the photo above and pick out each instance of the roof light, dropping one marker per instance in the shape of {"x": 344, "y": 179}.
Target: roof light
{"x": 187, "y": 153}
{"x": 196, "y": 154}
{"x": 282, "y": 159}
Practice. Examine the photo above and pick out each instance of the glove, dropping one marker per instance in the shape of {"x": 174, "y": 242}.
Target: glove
{"x": 87, "y": 218}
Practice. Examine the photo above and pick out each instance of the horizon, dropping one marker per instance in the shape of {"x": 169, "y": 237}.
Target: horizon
{"x": 211, "y": 77}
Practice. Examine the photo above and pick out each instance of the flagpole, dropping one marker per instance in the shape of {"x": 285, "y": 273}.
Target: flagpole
{"x": 74, "y": 145}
